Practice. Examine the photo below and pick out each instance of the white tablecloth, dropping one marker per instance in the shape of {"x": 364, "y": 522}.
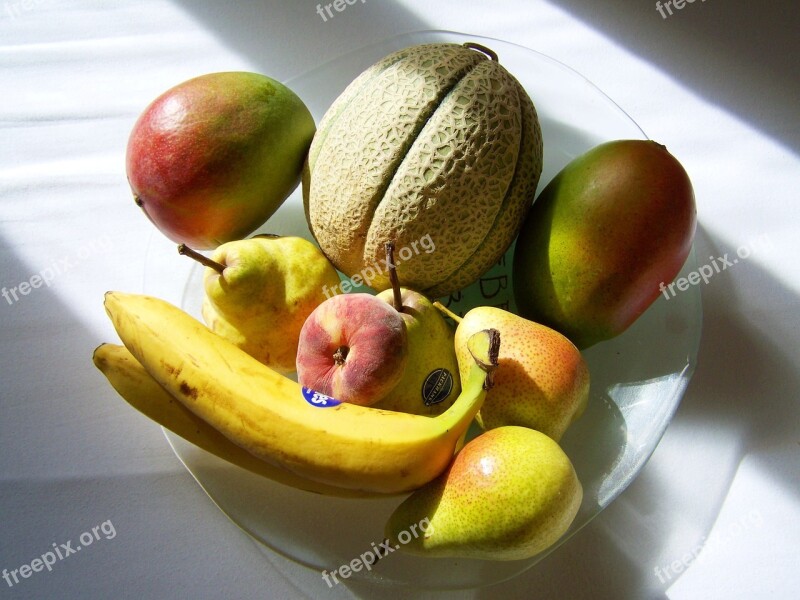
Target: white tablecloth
{"x": 715, "y": 81}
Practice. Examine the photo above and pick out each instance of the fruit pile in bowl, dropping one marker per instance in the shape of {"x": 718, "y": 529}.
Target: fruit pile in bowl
{"x": 418, "y": 179}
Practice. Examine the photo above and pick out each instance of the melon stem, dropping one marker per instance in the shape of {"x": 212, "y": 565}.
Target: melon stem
{"x": 205, "y": 261}
{"x": 481, "y": 48}
{"x": 447, "y": 311}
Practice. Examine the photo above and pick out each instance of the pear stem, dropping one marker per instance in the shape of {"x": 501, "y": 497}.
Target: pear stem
{"x": 398, "y": 298}
{"x": 207, "y": 262}
{"x": 447, "y": 311}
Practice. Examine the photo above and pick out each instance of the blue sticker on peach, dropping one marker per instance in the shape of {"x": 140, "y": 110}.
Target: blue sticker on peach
{"x": 318, "y": 399}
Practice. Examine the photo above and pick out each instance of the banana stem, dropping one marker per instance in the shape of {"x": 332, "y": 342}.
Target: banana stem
{"x": 492, "y": 352}
{"x": 207, "y": 262}
{"x": 398, "y": 299}
{"x": 447, "y": 311}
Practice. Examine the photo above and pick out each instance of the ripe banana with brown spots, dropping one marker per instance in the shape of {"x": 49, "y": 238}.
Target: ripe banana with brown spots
{"x": 142, "y": 392}
{"x": 277, "y": 420}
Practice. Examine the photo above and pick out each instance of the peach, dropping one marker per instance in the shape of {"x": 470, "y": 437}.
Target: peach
{"x": 353, "y": 347}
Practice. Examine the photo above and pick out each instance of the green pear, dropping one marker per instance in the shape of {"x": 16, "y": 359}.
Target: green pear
{"x": 259, "y": 292}
{"x": 509, "y": 494}
{"x": 430, "y": 382}
{"x": 542, "y": 381}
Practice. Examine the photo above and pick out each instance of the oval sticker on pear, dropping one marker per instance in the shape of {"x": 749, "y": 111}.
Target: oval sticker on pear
{"x": 437, "y": 386}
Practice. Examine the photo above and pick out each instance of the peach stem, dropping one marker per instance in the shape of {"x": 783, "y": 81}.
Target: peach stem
{"x": 340, "y": 355}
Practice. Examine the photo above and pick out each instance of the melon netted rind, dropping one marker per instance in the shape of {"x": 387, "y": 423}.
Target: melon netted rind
{"x": 515, "y": 207}
{"x": 332, "y": 114}
{"x": 470, "y": 143}
{"x": 434, "y": 141}
{"x": 371, "y": 128}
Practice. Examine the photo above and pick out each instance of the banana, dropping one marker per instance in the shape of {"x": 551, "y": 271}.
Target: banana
{"x": 140, "y": 390}
{"x": 278, "y": 421}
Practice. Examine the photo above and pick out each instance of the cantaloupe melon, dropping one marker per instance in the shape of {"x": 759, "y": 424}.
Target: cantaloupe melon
{"x": 435, "y": 140}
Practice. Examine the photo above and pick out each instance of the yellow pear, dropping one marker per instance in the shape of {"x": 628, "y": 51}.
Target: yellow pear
{"x": 542, "y": 381}
{"x": 509, "y": 494}
{"x": 259, "y": 292}
{"x": 430, "y": 382}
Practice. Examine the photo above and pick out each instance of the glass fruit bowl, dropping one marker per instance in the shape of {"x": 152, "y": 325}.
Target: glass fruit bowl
{"x": 637, "y": 381}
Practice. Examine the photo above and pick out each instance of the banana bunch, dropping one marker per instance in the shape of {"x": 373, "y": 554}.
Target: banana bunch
{"x": 237, "y": 408}
{"x": 130, "y": 379}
